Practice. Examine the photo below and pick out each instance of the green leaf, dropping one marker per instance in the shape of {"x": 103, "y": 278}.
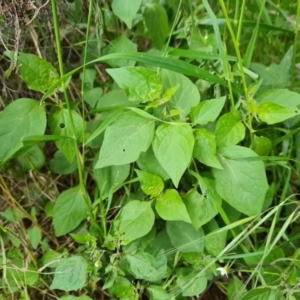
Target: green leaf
{"x": 38, "y": 74}
{"x": 123, "y": 289}
{"x": 60, "y": 165}
{"x": 191, "y": 284}
{"x": 262, "y": 145}
{"x": 229, "y": 130}
{"x": 151, "y": 184}
{"x": 170, "y": 207}
{"x": 70, "y": 209}
{"x": 201, "y": 209}
{"x": 34, "y": 236}
{"x": 70, "y": 297}
{"x": 16, "y": 275}
{"x": 158, "y": 293}
{"x": 149, "y": 163}
{"x": 207, "y": 111}
{"x": 156, "y": 20}
{"x": 60, "y": 124}
{"x": 22, "y": 118}
{"x": 235, "y": 289}
{"x": 185, "y": 237}
{"x": 173, "y": 148}
{"x": 262, "y": 293}
{"x": 185, "y": 96}
{"x": 272, "y": 113}
{"x": 281, "y": 97}
{"x": 216, "y": 243}
{"x": 33, "y": 159}
{"x": 126, "y": 10}
{"x": 243, "y": 184}
{"x": 205, "y": 149}
{"x": 139, "y": 83}
{"x": 108, "y": 178}
{"x": 135, "y": 220}
{"x": 119, "y": 45}
{"x": 125, "y": 139}
{"x": 141, "y": 265}
{"x": 70, "y": 274}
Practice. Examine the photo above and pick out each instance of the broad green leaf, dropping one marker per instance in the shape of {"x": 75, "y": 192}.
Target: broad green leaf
{"x": 281, "y": 97}
{"x": 141, "y": 266}
{"x": 22, "y": 118}
{"x": 262, "y": 145}
{"x": 185, "y": 96}
{"x": 33, "y": 159}
{"x": 126, "y": 10}
{"x": 205, "y": 149}
{"x": 114, "y": 98}
{"x": 139, "y": 83}
{"x": 201, "y": 209}
{"x": 125, "y": 139}
{"x": 38, "y": 74}
{"x": 170, "y": 207}
{"x": 135, "y": 220}
{"x": 123, "y": 289}
{"x": 151, "y": 184}
{"x": 60, "y": 165}
{"x": 92, "y": 96}
{"x": 235, "y": 289}
{"x": 60, "y": 124}
{"x": 16, "y": 275}
{"x": 34, "y": 236}
{"x": 243, "y": 184}
{"x": 156, "y": 20}
{"x": 70, "y": 209}
{"x": 185, "y": 237}
{"x": 119, "y": 45}
{"x": 229, "y": 130}
{"x": 275, "y": 75}
{"x": 149, "y": 163}
{"x": 190, "y": 283}
{"x": 108, "y": 178}
{"x": 88, "y": 239}
{"x": 272, "y": 113}
{"x": 216, "y": 243}
{"x": 70, "y": 297}
{"x": 158, "y": 293}
{"x": 207, "y": 111}
{"x": 262, "y": 293}
{"x": 70, "y": 274}
{"x": 173, "y": 148}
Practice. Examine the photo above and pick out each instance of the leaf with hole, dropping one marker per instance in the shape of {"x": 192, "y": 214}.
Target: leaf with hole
{"x": 125, "y": 139}
{"x": 61, "y": 124}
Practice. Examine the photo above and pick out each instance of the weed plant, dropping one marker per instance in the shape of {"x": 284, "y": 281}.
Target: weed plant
{"x": 150, "y": 149}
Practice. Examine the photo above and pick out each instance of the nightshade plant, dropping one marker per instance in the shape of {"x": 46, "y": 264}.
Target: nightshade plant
{"x": 186, "y": 153}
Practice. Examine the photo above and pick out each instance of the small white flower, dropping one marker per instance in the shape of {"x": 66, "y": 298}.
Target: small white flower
{"x": 223, "y": 271}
